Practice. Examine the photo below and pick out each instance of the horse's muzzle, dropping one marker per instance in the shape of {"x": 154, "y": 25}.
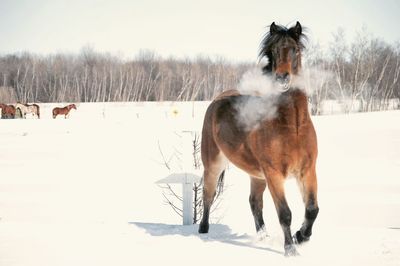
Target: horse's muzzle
{"x": 283, "y": 80}
{"x": 282, "y": 77}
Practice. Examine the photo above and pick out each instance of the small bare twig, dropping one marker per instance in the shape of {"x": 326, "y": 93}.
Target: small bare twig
{"x": 172, "y": 205}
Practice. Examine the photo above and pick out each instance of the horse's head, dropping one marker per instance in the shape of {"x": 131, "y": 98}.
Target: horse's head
{"x": 282, "y": 46}
{"x": 72, "y": 106}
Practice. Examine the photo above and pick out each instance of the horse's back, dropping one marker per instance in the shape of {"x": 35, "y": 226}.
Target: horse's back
{"x": 226, "y": 94}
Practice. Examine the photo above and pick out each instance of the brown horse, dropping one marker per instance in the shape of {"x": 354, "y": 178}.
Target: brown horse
{"x": 274, "y": 147}
{"x": 63, "y": 111}
{"x": 7, "y": 111}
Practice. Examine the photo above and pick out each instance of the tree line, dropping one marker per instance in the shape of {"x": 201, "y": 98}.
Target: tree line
{"x": 364, "y": 73}
{"x": 362, "y": 76}
{"x": 99, "y": 77}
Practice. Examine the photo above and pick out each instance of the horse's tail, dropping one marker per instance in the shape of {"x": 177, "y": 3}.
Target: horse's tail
{"x": 220, "y": 184}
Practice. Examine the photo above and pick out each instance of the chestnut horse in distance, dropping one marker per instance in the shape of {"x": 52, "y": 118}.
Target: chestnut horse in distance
{"x": 277, "y": 147}
{"x": 7, "y": 111}
{"x": 63, "y": 111}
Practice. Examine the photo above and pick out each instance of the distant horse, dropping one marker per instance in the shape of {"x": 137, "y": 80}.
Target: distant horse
{"x": 33, "y": 109}
{"x": 25, "y": 109}
{"x": 63, "y": 111}
{"x": 7, "y": 111}
{"x": 279, "y": 146}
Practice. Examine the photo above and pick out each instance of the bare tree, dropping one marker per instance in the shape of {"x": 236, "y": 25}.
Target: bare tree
{"x": 317, "y": 77}
{"x": 174, "y": 199}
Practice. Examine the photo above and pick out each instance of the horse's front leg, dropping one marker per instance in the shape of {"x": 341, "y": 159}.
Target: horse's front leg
{"x": 256, "y": 202}
{"x": 275, "y": 182}
{"x": 308, "y": 187}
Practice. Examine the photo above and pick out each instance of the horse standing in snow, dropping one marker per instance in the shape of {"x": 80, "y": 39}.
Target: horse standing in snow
{"x": 278, "y": 146}
{"x": 33, "y": 109}
{"x": 21, "y": 109}
{"x": 63, "y": 111}
{"x": 7, "y": 111}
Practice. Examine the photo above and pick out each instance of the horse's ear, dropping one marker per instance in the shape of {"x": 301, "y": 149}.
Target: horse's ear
{"x": 273, "y": 28}
{"x": 296, "y": 31}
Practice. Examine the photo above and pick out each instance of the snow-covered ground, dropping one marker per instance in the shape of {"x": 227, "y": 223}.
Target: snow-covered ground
{"x": 82, "y": 191}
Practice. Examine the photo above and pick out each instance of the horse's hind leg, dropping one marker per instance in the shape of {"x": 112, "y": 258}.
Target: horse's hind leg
{"x": 308, "y": 188}
{"x": 212, "y": 173}
{"x": 214, "y": 163}
{"x": 256, "y": 201}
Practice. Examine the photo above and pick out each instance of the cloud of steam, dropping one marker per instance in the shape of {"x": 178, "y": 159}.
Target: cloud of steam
{"x": 253, "y": 110}
{"x": 312, "y": 79}
{"x": 255, "y": 83}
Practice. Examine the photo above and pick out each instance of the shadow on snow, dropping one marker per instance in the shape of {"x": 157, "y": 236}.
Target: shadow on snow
{"x": 218, "y": 232}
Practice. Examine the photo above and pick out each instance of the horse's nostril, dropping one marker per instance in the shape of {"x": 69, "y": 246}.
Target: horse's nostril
{"x": 282, "y": 76}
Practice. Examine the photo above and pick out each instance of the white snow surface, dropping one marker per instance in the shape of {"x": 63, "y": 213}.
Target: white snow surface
{"x": 81, "y": 191}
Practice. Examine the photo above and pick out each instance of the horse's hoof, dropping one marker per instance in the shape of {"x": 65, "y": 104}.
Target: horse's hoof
{"x": 298, "y": 238}
{"x": 290, "y": 251}
{"x": 203, "y": 228}
{"x": 262, "y": 234}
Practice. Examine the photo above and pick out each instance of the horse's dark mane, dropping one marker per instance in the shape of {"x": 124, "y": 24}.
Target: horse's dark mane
{"x": 280, "y": 33}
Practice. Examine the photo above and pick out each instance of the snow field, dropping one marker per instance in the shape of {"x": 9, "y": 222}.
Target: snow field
{"x": 82, "y": 191}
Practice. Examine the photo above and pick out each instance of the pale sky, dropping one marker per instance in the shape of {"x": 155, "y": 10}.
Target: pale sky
{"x": 179, "y": 28}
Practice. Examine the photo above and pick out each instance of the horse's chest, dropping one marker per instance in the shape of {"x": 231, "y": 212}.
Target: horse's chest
{"x": 286, "y": 143}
